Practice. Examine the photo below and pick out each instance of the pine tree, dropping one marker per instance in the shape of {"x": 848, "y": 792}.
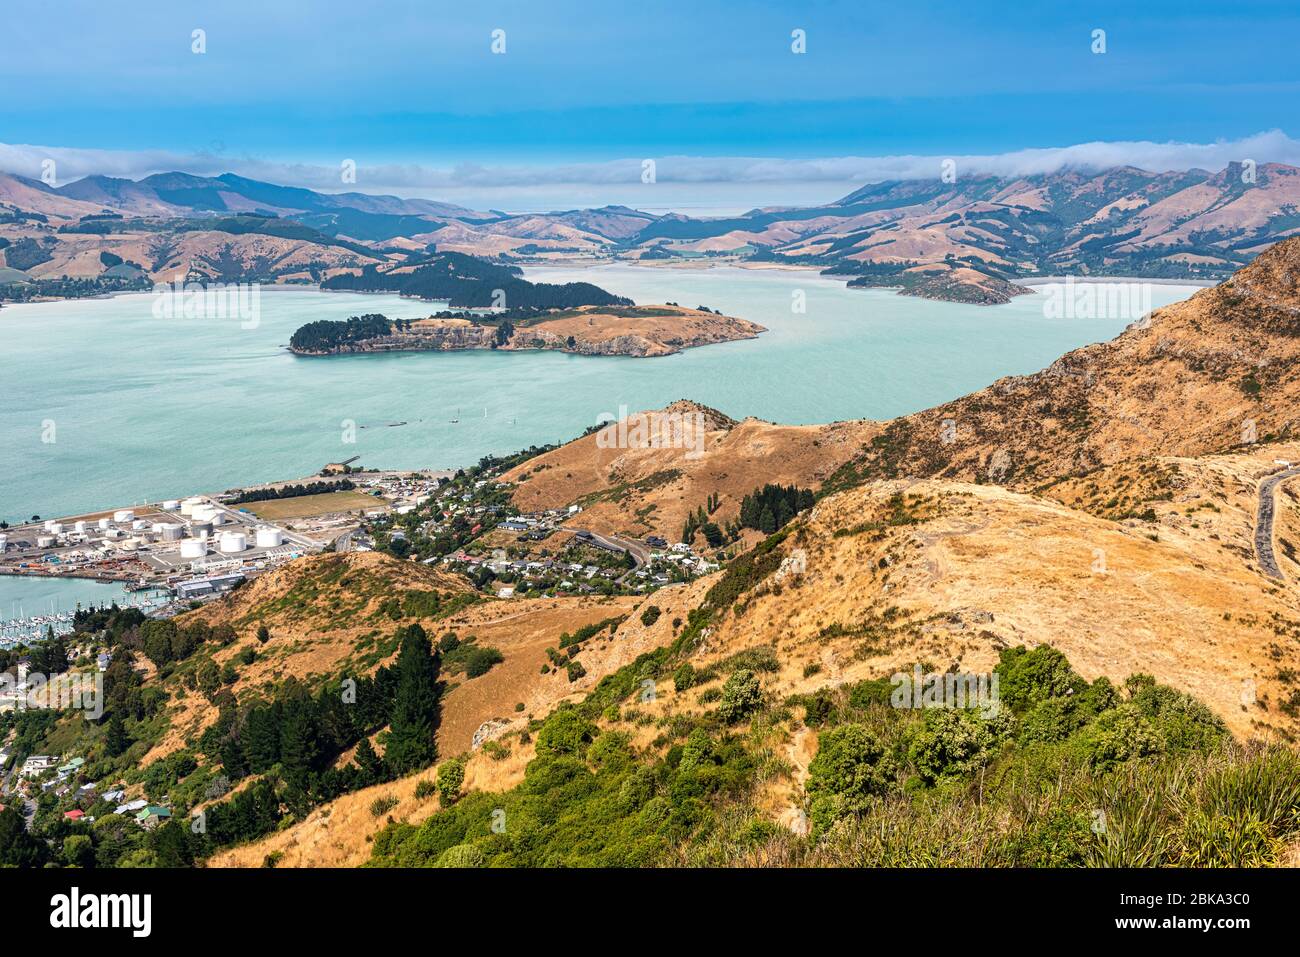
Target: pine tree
{"x": 766, "y": 521}
{"x": 115, "y": 739}
{"x": 299, "y": 743}
{"x": 261, "y": 738}
{"x": 415, "y": 708}
{"x": 233, "y": 761}
{"x": 369, "y": 763}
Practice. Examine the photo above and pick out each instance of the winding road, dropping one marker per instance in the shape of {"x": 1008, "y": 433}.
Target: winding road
{"x": 1264, "y": 521}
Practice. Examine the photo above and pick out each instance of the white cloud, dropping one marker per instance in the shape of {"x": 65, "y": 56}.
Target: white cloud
{"x": 772, "y": 181}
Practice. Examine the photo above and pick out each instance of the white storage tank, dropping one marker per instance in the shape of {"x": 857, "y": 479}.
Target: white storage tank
{"x": 169, "y": 531}
{"x": 269, "y": 537}
{"x": 190, "y": 504}
{"x": 193, "y": 548}
{"x": 45, "y": 541}
{"x": 233, "y": 542}
{"x": 79, "y": 528}
{"x": 105, "y": 524}
{"x": 208, "y": 513}
{"x": 124, "y": 515}
{"x": 139, "y": 525}
{"x": 129, "y": 544}
{"x": 4, "y": 540}
{"x": 55, "y": 528}
{"x": 171, "y": 505}
{"x": 49, "y": 524}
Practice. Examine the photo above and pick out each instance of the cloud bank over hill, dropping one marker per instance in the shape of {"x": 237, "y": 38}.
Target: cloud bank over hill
{"x": 682, "y": 181}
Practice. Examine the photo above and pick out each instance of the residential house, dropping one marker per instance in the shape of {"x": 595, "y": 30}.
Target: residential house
{"x": 152, "y": 815}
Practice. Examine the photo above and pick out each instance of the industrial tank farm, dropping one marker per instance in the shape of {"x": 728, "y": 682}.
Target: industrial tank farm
{"x": 194, "y": 547}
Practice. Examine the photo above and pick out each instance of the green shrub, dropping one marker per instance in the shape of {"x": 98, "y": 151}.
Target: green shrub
{"x": 1028, "y": 677}
{"x": 650, "y": 615}
{"x": 851, "y": 766}
{"x": 684, "y": 677}
{"x": 462, "y": 855}
{"x": 952, "y": 742}
{"x": 451, "y": 776}
{"x": 480, "y": 661}
{"x": 741, "y": 696}
{"x": 1119, "y": 735}
{"x": 566, "y": 732}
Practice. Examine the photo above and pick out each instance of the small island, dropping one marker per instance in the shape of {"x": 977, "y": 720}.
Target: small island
{"x": 620, "y": 330}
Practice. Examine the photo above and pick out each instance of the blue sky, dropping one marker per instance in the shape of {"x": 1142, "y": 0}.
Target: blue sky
{"x": 416, "y": 86}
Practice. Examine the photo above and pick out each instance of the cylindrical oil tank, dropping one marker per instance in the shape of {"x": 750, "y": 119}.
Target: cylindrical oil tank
{"x": 169, "y": 531}
{"x": 190, "y": 504}
{"x": 129, "y": 544}
{"x": 45, "y": 541}
{"x": 171, "y": 505}
{"x": 269, "y": 537}
{"x": 233, "y": 542}
{"x": 139, "y": 525}
{"x": 104, "y": 524}
{"x": 124, "y": 515}
{"x": 193, "y": 548}
{"x": 79, "y": 528}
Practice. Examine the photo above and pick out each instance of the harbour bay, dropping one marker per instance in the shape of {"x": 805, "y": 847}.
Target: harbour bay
{"x": 109, "y": 405}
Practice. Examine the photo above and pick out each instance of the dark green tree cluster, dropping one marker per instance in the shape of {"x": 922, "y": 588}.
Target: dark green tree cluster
{"x": 324, "y": 335}
{"x": 50, "y": 657}
{"x": 769, "y": 509}
{"x": 474, "y": 283}
{"x": 164, "y": 642}
{"x": 292, "y": 491}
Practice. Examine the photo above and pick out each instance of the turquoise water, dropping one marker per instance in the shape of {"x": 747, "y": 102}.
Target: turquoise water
{"x": 141, "y": 408}
{"x": 40, "y": 596}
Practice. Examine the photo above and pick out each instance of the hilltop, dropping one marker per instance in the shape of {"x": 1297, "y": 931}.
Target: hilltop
{"x": 1211, "y": 373}
{"x": 966, "y": 239}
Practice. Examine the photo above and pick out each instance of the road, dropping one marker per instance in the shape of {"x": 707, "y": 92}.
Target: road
{"x": 639, "y": 551}
{"x": 1264, "y": 521}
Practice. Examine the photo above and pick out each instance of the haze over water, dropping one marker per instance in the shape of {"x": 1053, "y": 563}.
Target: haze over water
{"x": 146, "y": 408}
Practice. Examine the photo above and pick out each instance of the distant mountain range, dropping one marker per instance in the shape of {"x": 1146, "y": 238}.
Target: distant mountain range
{"x": 968, "y": 239}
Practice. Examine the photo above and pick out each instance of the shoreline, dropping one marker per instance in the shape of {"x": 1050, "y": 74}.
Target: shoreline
{"x": 1032, "y": 281}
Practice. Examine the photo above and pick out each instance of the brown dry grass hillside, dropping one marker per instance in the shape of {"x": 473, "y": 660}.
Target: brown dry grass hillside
{"x": 338, "y": 833}
{"x": 327, "y": 615}
{"x": 949, "y": 573}
{"x": 1195, "y": 377}
{"x": 645, "y": 489}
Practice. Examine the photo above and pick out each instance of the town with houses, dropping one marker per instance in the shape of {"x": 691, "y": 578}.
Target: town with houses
{"x": 182, "y": 553}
